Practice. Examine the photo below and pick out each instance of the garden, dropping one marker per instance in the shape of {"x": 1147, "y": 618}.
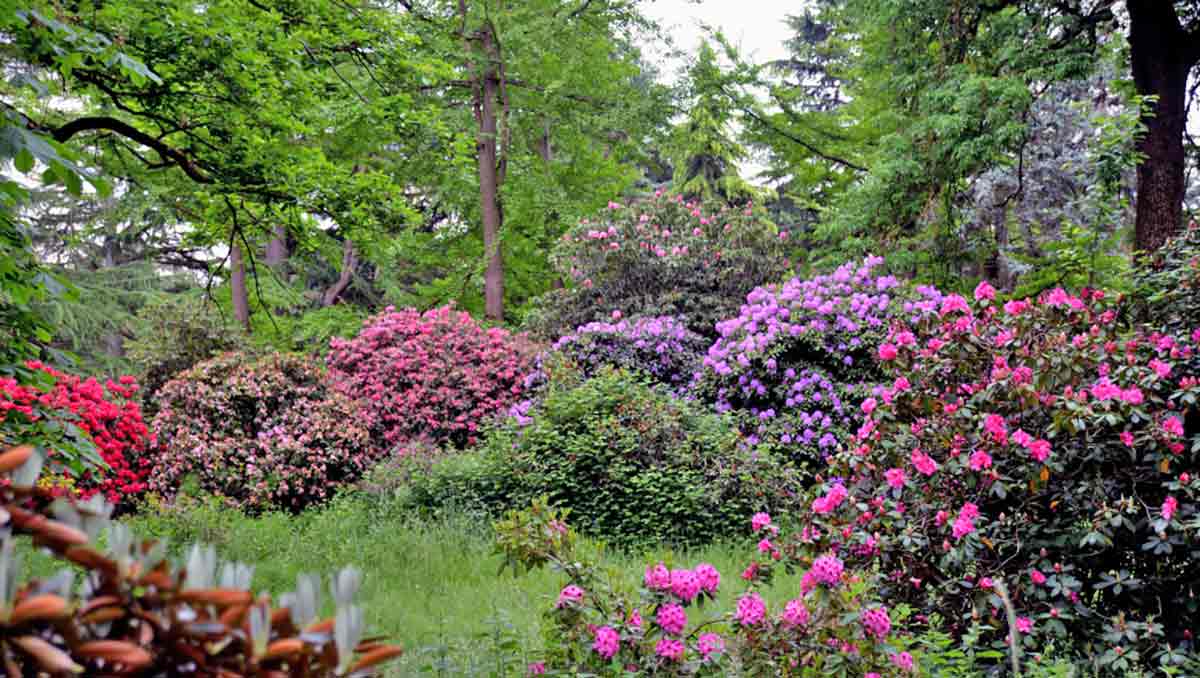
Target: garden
{"x": 279, "y": 397}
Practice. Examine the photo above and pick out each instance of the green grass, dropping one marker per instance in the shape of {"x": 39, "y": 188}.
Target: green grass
{"x": 432, "y": 586}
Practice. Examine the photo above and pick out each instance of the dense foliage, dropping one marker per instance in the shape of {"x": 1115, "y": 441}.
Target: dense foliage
{"x": 436, "y": 375}
{"x": 794, "y": 364}
{"x": 263, "y": 432}
{"x": 660, "y": 348}
{"x": 139, "y": 613}
{"x": 1038, "y": 446}
{"x": 631, "y": 462}
{"x": 662, "y": 256}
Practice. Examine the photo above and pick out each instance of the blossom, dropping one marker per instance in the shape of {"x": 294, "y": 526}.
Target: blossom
{"x": 765, "y": 546}
{"x": 964, "y": 524}
{"x": 876, "y": 622}
{"x": 1015, "y": 307}
{"x": 831, "y": 500}
{"x": 750, "y": 609}
{"x": 670, "y": 648}
{"x": 607, "y": 642}
{"x": 671, "y": 618}
{"x": 685, "y": 585}
{"x": 903, "y": 661}
{"x": 895, "y": 477}
{"x": 995, "y": 425}
{"x": 828, "y": 570}
{"x": 1173, "y": 426}
{"x": 1169, "y": 507}
{"x": 984, "y": 291}
{"x": 887, "y": 352}
{"x": 980, "y": 460}
{"x": 635, "y": 619}
{"x": 708, "y": 643}
{"x": 1040, "y": 450}
{"x": 1160, "y": 368}
{"x": 759, "y": 520}
{"x": 657, "y": 577}
{"x": 536, "y": 669}
{"x": 868, "y": 406}
{"x": 1037, "y": 577}
{"x": 923, "y": 462}
{"x": 795, "y": 613}
{"x": 708, "y": 577}
{"x": 1127, "y": 438}
{"x": 570, "y": 595}
{"x": 952, "y": 303}
{"x": 1024, "y": 624}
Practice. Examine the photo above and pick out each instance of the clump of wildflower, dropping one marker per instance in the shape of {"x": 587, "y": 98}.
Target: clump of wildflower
{"x": 750, "y": 609}
{"x": 671, "y": 618}
{"x": 607, "y": 642}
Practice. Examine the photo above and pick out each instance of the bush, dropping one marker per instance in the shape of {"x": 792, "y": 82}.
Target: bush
{"x": 661, "y": 257}
{"x": 632, "y": 463}
{"x": 172, "y": 335}
{"x": 261, "y": 431}
{"x": 435, "y": 376}
{"x": 1040, "y": 447}
{"x": 138, "y": 613}
{"x": 662, "y": 349}
{"x": 794, "y": 364}
{"x": 95, "y": 435}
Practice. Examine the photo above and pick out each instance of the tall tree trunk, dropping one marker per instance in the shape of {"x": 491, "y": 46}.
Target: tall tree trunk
{"x": 277, "y": 252}
{"x": 1162, "y": 53}
{"x": 349, "y": 263}
{"x": 490, "y": 208}
{"x": 237, "y": 286}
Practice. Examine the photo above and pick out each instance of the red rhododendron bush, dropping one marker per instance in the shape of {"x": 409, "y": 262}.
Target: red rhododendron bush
{"x": 437, "y": 375}
{"x": 1037, "y": 447}
{"x": 261, "y": 431}
{"x": 83, "y": 423}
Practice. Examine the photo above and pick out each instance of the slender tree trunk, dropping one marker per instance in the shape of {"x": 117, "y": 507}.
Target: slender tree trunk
{"x": 490, "y": 208}
{"x": 277, "y": 252}
{"x": 1162, "y": 53}
{"x": 237, "y": 286}
{"x": 349, "y": 263}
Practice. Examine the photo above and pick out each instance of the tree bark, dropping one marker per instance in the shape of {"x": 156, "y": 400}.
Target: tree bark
{"x": 1162, "y": 53}
{"x": 491, "y": 211}
{"x": 277, "y": 252}
{"x": 349, "y": 263}
{"x": 237, "y": 286}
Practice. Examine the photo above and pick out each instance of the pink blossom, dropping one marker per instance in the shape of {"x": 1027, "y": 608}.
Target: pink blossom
{"x": 923, "y": 462}
{"x": 708, "y": 576}
{"x": 895, "y": 477}
{"x": 1169, "y": 507}
{"x": 616, "y": 315}
{"x": 828, "y": 570}
{"x": 1037, "y": 577}
{"x": 750, "y": 609}
{"x": 571, "y": 595}
{"x": 1040, "y": 450}
{"x": 1015, "y": 307}
{"x": 1160, "y": 368}
{"x": 671, "y": 618}
{"x": 994, "y": 424}
{"x": 709, "y": 643}
{"x": 876, "y": 622}
{"x": 903, "y": 661}
{"x": 1173, "y": 426}
{"x": 952, "y": 303}
{"x": 685, "y": 585}
{"x": 905, "y": 338}
{"x": 759, "y": 520}
{"x": 984, "y": 291}
{"x": 1024, "y": 624}
{"x": 657, "y": 577}
{"x": 986, "y": 582}
{"x": 981, "y": 460}
{"x": 1132, "y": 395}
{"x": 868, "y": 406}
{"x": 670, "y": 648}
{"x": 964, "y": 524}
{"x": 635, "y": 619}
{"x": 765, "y": 546}
{"x": 795, "y": 613}
{"x": 536, "y": 669}
{"x": 607, "y": 642}
{"x": 831, "y": 500}
{"x": 887, "y": 352}
{"x": 1127, "y": 438}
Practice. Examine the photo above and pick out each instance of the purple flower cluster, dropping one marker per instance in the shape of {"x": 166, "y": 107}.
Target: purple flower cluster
{"x": 662, "y": 348}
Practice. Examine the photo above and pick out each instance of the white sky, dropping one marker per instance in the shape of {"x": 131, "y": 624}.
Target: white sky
{"x": 755, "y": 26}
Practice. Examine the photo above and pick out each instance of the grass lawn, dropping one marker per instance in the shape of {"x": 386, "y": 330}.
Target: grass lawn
{"x": 432, "y": 586}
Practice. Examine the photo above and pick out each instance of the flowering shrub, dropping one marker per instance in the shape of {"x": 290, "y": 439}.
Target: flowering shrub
{"x": 1039, "y": 446}
{"x": 663, "y": 349}
{"x": 436, "y": 375}
{"x": 631, "y": 462}
{"x": 262, "y": 432}
{"x": 94, "y": 433}
{"x": 661, "y": 256}
{"x": 794, "y": 364}
{"x": 832, "y": 626}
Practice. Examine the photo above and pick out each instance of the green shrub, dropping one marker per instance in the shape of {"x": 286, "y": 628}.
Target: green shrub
{"x": 631, "y": 462}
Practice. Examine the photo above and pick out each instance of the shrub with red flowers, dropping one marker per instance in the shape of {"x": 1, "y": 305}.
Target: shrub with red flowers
{"x": 262, "y": 432}
{"x": 831, "y": 625}
{"x": 93, "y": 432}
{"x": 437, "y": 375}
{"x": 794, "y": 364}
{"x": 1042, "y": 446}
{"x": 661, "y": 256}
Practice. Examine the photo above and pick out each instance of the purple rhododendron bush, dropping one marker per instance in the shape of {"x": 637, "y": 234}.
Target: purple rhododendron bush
{"x": 437, "y": 375}
{"x": 661, "y": 256}
{"x": 661, "y": 348}
{"x": 797, "y": 360}
{"x": 263, "y": 432}
{"x": 1035, "y": 447}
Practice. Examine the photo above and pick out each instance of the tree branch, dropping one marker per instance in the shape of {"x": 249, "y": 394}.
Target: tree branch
{"x": 801, "y": 142}
{"x": 97, "y": 123}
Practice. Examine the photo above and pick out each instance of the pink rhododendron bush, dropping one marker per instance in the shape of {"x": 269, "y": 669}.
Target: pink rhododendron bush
{"x": 794, "y": 365}
{"x": 1035, "y": 445}
{"x": 661, "y": 256}
{"x": 263, "y": 432}
{"x": 437, "y": 375}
